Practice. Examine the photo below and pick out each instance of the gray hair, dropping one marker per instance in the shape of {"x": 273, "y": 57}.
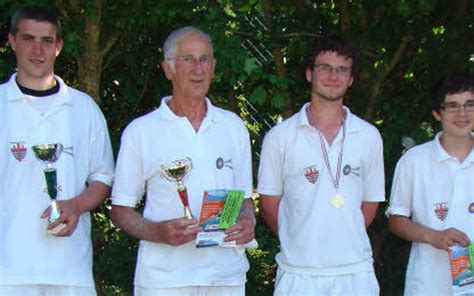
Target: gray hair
{"x": 171, "y": 43}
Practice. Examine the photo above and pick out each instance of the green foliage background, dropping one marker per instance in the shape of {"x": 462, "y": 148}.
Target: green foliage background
{"x": 260, "y": 47}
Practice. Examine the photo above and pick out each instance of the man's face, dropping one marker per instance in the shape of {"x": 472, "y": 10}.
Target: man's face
{"x": 456, "y": 122}
{"x": 36, "y": 49}
{"x": 194, "y": 67}
{"x": 331, "y": 76}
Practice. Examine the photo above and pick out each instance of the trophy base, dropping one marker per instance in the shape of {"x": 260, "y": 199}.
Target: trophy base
{"x": 56, "y": 229}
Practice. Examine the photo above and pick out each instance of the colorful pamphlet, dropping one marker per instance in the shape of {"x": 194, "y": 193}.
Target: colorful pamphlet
{"x": 220, "y": 210}
{"x": 462, "y": 269}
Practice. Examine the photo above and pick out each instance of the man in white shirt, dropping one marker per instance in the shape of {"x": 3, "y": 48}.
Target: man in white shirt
{"x": 432, "y": 201}
{"x": 186, "y": 125}
{"x": 40, "y": 257}
{"x": 320, "y": 181}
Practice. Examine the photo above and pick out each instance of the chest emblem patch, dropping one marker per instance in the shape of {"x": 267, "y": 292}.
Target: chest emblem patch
{"x": 471, "y": 208}
{"x": 441, "y": 210}
{"x": 18, "y": 150}
{"x": 311, "y": 173}
{"x": 351, "y": 170}
{"x": 220, "y": 163}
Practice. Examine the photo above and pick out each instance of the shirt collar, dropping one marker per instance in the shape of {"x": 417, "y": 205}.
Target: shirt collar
{"x": 14, "y": 93}
{"x": 441, "y": 154}
{"x": 352, "y": 122}
{"x": 165, "y": 112}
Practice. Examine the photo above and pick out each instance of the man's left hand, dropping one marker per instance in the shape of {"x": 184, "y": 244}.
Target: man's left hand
{"x": 242, "y": 232}
{"x": 69, "y": 216}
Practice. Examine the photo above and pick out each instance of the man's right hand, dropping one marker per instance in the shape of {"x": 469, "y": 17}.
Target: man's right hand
{"x": 177, "y": 231}
{"x": 172, "y": 232}
{"x": 444, "y": 239}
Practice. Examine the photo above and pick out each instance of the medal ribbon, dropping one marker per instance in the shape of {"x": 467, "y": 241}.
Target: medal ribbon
{"x": 339, "y": 160}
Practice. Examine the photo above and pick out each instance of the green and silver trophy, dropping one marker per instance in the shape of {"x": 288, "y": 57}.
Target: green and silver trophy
{"x": 176, "y": 172}
{"x": 49, "y": 154}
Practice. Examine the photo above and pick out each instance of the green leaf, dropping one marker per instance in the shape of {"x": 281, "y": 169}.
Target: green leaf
{"x": 250, "y": 65}
{"x": 259, "y": 95}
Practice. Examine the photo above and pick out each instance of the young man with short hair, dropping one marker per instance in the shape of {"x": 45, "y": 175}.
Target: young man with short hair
{"x": 38, "y": 108}
{"x": 432, "y": 200}
{"x": 320, "y": 181}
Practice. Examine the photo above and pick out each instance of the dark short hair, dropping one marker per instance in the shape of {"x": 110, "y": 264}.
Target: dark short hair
{"x": 38, "y": 13}
{"x": 451, "y": 83}
{"x": 331, "y": 42}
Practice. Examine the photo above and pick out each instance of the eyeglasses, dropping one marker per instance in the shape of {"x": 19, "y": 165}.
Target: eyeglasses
{"x": 190, "y": 61}
{"x": 453, "y": 107}
{"x": 326, "y": 69}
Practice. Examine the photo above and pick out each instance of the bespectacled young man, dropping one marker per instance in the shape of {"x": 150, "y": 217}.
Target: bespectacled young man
{"x": 432, "y": 201}
{"x": 320, "y": 181}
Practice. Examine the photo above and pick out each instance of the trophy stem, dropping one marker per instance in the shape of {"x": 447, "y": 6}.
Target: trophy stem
{"x": 183, "y": 194}
{"x": 55, "y": 213}
{"x": 51, "y": 182}
{"x": 187, "y": 213}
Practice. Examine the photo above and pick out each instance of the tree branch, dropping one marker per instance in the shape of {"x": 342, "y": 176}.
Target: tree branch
{"x": 376, "y": 89}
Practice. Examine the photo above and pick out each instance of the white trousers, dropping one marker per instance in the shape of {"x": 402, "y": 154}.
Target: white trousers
{"x": 356, "y": 284}
{"x": 192, "y": 291}
{"x": 45, "y": 290}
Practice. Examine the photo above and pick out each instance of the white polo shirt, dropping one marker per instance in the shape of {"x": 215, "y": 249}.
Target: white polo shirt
{"x": 433, "y": 189}
{"x": 28, "y": 254}
{"x": 220, "y": 152}
{"x": 316, "y": 238}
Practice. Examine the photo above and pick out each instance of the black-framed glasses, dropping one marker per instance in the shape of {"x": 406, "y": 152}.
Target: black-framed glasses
{"x": 453, "y": 107}
{"x": 326, "y": 69}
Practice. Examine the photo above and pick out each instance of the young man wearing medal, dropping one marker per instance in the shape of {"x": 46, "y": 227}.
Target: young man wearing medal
{"x": 38, "y": 108}
{"x": 432, "y": 199}
{"x": 185, "y": 128}
{"x": 321, "y": 177}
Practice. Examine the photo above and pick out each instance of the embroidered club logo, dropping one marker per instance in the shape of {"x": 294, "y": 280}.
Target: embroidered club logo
{"x": 346, "y": 170}
{"x": 311, "y": 174}
{"x": 220, "y": 163}
{"x": 471, "y": 208}
{"x": 351, "y": 170}
{"x": 18, "y": 150}
{"x": 441, "y": 210}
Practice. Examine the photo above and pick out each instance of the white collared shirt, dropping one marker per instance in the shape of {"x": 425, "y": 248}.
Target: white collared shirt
{"x": 220, "y": 152}
{"x": 435, "y": 190}
{"x": 315, "y": 237}
{"x": 29, "y": 255}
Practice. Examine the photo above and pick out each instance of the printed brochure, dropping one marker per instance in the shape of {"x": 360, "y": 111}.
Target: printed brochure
{"x": 462, "y": 269}
{"x": 220, "y": 210}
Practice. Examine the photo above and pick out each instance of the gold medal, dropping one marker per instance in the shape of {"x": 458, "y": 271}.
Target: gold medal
{"x": 337, "y": 201}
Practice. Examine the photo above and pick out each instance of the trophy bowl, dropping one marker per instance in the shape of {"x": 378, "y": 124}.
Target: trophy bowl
{"x": 48, "y": 153}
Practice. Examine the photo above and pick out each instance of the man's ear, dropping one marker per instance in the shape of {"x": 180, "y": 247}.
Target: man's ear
{"x": 167, "y": 69}
{"x": 59, "y": 46}
{"x": 436, "y": 115}
{"x": 12, "y": 41}
{"x": 309, "y": 74}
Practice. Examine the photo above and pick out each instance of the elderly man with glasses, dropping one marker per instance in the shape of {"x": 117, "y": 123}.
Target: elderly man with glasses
{"x": 191, "y": 139}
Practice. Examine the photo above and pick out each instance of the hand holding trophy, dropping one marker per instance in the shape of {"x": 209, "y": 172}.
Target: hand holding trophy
{"x": 48, "y": 154}
{"x": 176, "y": 172}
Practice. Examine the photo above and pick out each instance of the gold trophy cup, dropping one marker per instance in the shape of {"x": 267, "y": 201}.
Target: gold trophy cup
{"x": 176, "y": 172}
{"x": 49, "y": 154}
